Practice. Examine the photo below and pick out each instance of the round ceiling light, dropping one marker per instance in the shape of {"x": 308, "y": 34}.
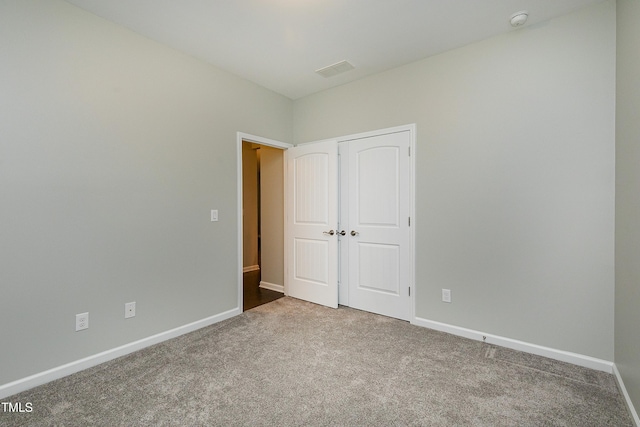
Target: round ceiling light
{"x": 519, "y": 18}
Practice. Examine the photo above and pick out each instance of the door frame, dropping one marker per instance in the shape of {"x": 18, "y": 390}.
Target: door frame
{"x": 241, "y": 136}
{"x": 343, "y": 298}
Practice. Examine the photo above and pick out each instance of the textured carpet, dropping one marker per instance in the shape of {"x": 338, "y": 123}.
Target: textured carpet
{"x": 292, "y": 363}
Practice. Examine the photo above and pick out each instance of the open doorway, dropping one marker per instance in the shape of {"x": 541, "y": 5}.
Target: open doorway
{"x": 262, "y": 223}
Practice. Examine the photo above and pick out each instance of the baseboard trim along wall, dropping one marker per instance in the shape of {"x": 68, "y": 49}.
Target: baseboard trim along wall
{"x": 272, "y": 286}
{"x": 35, "y": 380}
{"x": 627, "y": 399}
{"x": 551, "y": 353}
{"x": 250, "y": 268}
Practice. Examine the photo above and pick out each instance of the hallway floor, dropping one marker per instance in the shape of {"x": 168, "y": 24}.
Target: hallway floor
{"x": 253, "y": 295}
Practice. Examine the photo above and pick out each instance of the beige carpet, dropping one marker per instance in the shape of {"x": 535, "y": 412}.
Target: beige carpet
{"x": 292, "y": 363}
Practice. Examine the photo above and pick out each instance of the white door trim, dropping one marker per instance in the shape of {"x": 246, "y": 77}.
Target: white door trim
{"x": 241, "y": 136}
{"x": 282, "y": 145}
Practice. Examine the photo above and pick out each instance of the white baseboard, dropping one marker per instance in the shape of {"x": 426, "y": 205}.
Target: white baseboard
{"x": 551, "y": 353}
{"x": 272, "y": 286}
{"x": 35, "y": 380}
{"x": 627, "y": 399}
{"x": 250, "y": 268}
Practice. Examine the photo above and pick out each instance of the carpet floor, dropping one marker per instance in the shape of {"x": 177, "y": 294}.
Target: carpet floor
{"x": 293, "y": 363}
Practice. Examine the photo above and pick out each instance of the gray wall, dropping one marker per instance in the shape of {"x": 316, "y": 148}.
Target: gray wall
{"x": 113, "y": 151}
{"x": 627, "y": 321}
{"x": 515, "y": 176}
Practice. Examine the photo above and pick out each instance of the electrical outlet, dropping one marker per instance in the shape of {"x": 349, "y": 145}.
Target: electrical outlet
{"x": 446, "y": 295}
{"x": 82, "y": 321}
{"x": 129, "y": 309}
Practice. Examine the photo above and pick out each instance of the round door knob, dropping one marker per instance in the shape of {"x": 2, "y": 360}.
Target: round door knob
{"x": 354, "y": 233}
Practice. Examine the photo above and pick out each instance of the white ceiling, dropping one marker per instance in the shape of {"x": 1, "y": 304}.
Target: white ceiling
{"x": 280, "y": 43}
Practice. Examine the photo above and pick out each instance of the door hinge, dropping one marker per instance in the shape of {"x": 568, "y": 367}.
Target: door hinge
{"x": 409, "y": 151}
{"x": 409, "y": 290}
{"x": 409, "y": 221}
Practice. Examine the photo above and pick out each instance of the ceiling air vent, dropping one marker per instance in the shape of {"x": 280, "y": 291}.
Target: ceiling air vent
{"x": 335, "y": 69}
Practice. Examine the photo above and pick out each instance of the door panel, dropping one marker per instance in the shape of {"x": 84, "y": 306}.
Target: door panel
{"x": 378, "y": 194}
{"x": 377, "y": 186}
{"x": 312, "y": 217}
{"x": 379, "y": 268}
{"x": 311, "y": 188}
{"x": 311, "y": 261}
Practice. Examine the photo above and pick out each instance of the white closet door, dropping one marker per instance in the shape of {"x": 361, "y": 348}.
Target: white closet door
{"x": 378, "y": 230}
{"x": 312, "y": 218}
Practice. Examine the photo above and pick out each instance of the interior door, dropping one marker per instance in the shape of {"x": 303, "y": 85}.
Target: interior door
{"x": 378, "y": 230}
{"x": 312, "y": 218}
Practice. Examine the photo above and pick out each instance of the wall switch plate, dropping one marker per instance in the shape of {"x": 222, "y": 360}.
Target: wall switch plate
{"x": 214, "y": 215}
{"x": 129, "y": 309}
{"x": 446, "y": 295}
{"x": 82, "y": 321}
